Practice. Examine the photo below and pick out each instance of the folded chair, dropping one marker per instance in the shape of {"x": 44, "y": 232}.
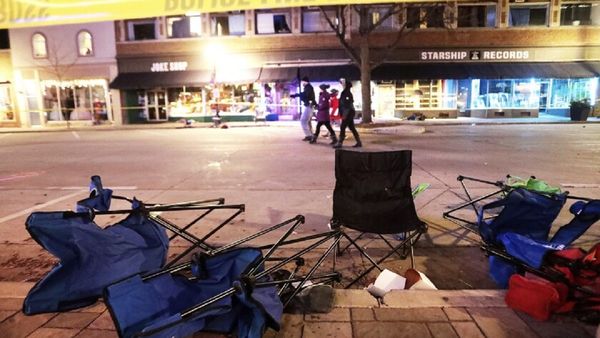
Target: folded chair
{"x": 373, "y": 195}
{"x": 227, "y": 290}
{"x": 91, "y": 257}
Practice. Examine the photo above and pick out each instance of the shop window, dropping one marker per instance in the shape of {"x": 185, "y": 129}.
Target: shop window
{"x": 425, "y": 17}
{"x": 528, "y": 15}
{"x": 40, "y": 49}
{"x": 7, "y": 112}
{"x": 84, "y": 100}
{"x": 272, "y": 22}
{"x": 84, "y": 43}
{"x": 184, "y": 26}
{"x": 559, "y": 94}
{"x": 419, "y": 94}
{"x": 227, "y": 24}
{"x": 580, "y": 14}
{"x": 141, "y": 30}
{"x": 313, "y": 20}
{"x": 477, "y": 16}
{"x": 4, "y": 40}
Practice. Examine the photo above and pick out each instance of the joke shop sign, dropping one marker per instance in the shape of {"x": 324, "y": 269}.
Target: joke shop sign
{"x": 475, "y": 55}
{"x": 177, "y": 66}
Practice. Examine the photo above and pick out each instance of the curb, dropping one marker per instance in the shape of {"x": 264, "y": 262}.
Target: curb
{"x": 357, "y": 298}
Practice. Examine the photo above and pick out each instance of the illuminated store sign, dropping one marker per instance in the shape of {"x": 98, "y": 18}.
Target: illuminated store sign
{"x": 475, "y": 55}
{"x": 178, "y": 66}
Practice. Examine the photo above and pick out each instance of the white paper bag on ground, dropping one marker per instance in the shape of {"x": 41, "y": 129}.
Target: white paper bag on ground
{"x": 421, "y": 282}
{"x": 386, "y": 281}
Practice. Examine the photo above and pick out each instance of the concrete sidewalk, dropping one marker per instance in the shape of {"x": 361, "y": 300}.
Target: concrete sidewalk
{"x": 377, "y": 124}
{"x": 415, "y": 314}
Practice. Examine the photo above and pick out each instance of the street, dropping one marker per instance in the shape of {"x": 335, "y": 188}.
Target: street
{"x": 278, "y": 176}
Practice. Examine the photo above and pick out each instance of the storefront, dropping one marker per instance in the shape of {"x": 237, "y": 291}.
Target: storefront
{"x": 83, "y": 100}
{"x": 8, "y": 115}
{"x": 485, "y": 83}
{"x": 179, "y": 88}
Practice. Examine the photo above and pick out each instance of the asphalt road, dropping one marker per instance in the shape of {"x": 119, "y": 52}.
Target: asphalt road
{"x": 278, "y": 176}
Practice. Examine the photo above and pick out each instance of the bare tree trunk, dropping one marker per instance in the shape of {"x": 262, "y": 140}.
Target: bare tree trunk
{"x": 365, "y": 78}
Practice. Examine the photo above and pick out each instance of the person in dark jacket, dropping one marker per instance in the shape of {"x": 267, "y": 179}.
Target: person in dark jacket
{"x": 347, "y": 111}
{"x": 323, "y": 115}
{"x": 307, "y": 96}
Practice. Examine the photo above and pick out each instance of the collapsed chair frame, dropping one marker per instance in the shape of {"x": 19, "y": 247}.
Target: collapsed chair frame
{"x": 260, "y": 279}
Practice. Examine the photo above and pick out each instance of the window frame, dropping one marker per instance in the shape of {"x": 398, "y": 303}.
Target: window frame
{"x": 422, "y": 13}
{"x": 79, "y": 43}
{"x": 33, "y": 45}
{"x": 315, "y": 9}
{"x": 169, "y": 26}
{"x": 530, "y": 4}
{"x": 286, "y": 12}
{"x": 571, "y": 3}
{"x": 213, "y": 16}
{"x": 131, "y": 28}
{"x": 486, "y": 5}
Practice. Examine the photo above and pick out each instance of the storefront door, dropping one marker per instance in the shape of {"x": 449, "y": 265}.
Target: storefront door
{"x": 156, "y": 105}
{"x": 544, "y": 91}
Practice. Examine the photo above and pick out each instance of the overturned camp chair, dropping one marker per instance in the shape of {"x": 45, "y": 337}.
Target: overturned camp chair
{"x": 500, "y": 188}
{"x": 92, "y": 257}
{"x": 514, "y": 222}
{"x": 373, "y": 195}
{"x": 517, "y": 239}
{"x": 544, "y": 274}
{"x": 227, "y": 290}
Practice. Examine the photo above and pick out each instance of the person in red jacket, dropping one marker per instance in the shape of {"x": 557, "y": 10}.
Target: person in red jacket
{"x": 334, "y": 103}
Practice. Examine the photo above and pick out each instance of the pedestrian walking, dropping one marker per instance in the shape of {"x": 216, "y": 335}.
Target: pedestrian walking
{"x": 323, "y": 115}
{"x": 307, "y": 96}
{"x": 347, "y": 111}
{"x": 334, "y": 104}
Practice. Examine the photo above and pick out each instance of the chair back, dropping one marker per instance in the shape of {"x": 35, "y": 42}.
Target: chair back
{"x": 373, "y": 191}
{"x": 523, "y": 212}
{"x": 585, "y": 215}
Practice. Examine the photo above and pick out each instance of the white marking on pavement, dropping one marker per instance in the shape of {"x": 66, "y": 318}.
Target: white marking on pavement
{"x": 580, "y": 185}
{"x": 20, "y": 175}
{"x": 40, "y": 206}
{"x": 75, "y": 135}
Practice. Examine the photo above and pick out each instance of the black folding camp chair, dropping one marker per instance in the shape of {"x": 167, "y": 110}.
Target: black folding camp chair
{"x": 373, "y": 195}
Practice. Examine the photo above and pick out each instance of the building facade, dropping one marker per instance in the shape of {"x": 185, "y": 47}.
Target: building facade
{"x": 61, "y": 74}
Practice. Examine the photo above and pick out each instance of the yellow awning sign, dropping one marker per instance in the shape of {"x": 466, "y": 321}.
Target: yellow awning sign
{"x": 33, "y": 13}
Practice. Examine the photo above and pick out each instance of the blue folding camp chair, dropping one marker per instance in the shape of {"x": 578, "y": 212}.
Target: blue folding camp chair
{"x": 226, "y": 290}
{"x": 92, "y": 257}
{"x": 517, "y": 237}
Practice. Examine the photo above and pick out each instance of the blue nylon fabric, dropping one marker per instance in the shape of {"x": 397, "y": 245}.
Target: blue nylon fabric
{"x": 532, "y": 251}
{"x": 526, "y": 249}
{"x": 586, "y": 214}
{"x": 524, "y": 212}
{"x": 140, "y": 306}
{"x": 90, "y": 257}
{"x": 501, "y": 270}
{"x": 99, "y": 197}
